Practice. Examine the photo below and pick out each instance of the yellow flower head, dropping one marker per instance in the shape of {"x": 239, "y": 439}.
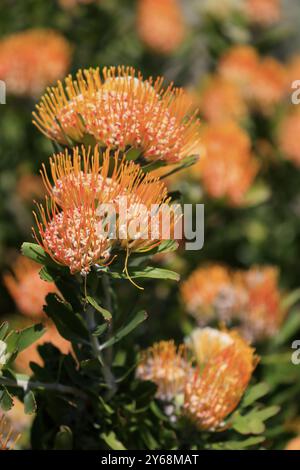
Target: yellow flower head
{"x": 33, "y": 59}
{"x": 119, "y": 109}
{"x": 211, "y": 395}
{"x": 160, "y": 24}
{"x": 27, "y": 288}
{"x": 167, "y": 366}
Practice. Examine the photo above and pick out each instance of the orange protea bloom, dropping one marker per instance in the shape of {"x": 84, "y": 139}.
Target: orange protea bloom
{"x": 263, "y": 12}
{"x": 239, "y": 65}
{"x": 269, "y": 84}
{"x": 288, "y": 131}
{"x": 293, "y": 444}
{"x": 209, "y": 292}
{"x": 160, "y": 24}
{"x": 207, "y": 343}
{"x": 227, "y": 168}
{"x": 31, "y": 354}
{"x": 27, "y": 288}
{"x": 119, "y": 109}
{"x": 264, "y": 313}
{"x": 293, "y": 69}
{"x": 8, "y": 437}
{"x": 221, "y": 100}
{"x": 167, "y": 366}
{"x": 33, "y": 59}
{"x": 75, "y": 231}
{"x": 211, "y": 395}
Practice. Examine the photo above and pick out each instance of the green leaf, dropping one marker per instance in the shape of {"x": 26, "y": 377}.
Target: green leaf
{"x": 29, "y": 403}
{"x": 258, "y": 194}
{"x": 289, "y": 300}
{"x": 6, "y": 400}
{"x": 36, "y": 253}
{"x": 112, "y": 441}
{"x": 288, "y": 329}
{"x": 253, "y": 422}
{"x": 254, "y": 393}
{"x": 29, "y": 336}
{"x": 64, "y": 439}
{"x": 236, "y": 445}
{"x": 133, "y": 323}
{"x": 105, "y": 313}
{"x": 3, "y": 330}
{"x": 149, "y": 272}
{"x": 69, "y": 324}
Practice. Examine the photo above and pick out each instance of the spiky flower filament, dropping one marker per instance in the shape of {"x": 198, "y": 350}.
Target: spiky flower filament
{"x": 167, "y": 366}
{"x": 212, "y": 395}
{"x": 81, "y": 185}
{"x": 206, "y": 343}
{"x": 8, "y": 437}
{"x": 27, "y": 288}
{"x": 117, "y": 108}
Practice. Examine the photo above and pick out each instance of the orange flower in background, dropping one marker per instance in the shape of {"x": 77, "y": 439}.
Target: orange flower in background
{"x": 161, "y": 24}
{"x": 221, "y": 100}
{"x": 211, "y": 395}
{"x": 209, "y": 292}
{"x": 31, "y": 354}
{"x": 30, "y": 186}
{"x": 8, "y": 437}
{"x": 289, "y": 130}
{"x": 293, "y": 444}
{"x": 167, "y": 366}
{"x": 269, "y": 85}
{"x": 119, "y": 109}
{"x": 264, "y": 313}
{"x": 227, "y": 168}
{"x": 263, "y": 12}
{"x": 239, "y": 65}
{"x": 33, "y": 59}
{"x": 27, "y": 288}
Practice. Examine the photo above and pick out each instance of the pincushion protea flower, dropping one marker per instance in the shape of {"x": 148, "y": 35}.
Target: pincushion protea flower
{"x": 160, "y": 24}
{"x": 238, "y": 65}
{"x": 264, "y": 313}
{"x": 167, "y": 366}
{"x": 33, "y": 59}
{"x": 207, "y": 343}
{"x": 263, "y": 12}
{"x": 27, "y": 288}
{"x": 73, "y": 228}
{"x": 121, "y": 110}
{"x": 288, "y": 130}
{"x": 8, "y": 437}
{"x": 221, "y": 100}
{"x": 211, "y": 395}
{"x": 227, "y": 168}
{"x": 210, "y": 293}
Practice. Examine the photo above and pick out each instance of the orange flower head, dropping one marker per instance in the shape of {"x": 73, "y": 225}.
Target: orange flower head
{"x": 211, "y": 395}
{"x": 119, "y": 109}
{"x": 75, "y": 230}
{"x": 8, "y": 437}
{"x": 221, "y": 100}
{"x": 33, "y": 59}
{"x": 269, "y": 85}
{"x": 161, "y": 25}
{"x": 293, "y": 444}
{"x": 167, "y": 366}
{"x": 238, "y": 65}
{"x": 263, "y": 12}
{"x": 264, "y": 313}
{"x": 209, "y": 292}
{"x": 207, "y": 343}
{"x": 31, "y": 354}
{"x": 227, "y": 168}
{"x": 27, "y": 288}
{"x": 288, "y": 131}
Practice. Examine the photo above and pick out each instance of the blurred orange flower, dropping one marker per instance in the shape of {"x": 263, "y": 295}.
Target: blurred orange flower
{"x": 122, "y": 111}
{"x": 289, "y": 130}
{"x": 211, "y": 395}
{"x": 27, "y": 288}
{"x": 227, "y": 168}
{"x": 263, "y": 12}
{"x": 160, "y": 24}
{"x": 167, "y": 366}
{"x": 293, "y": 444}
{"x": 221, "y": 100}
{"x": 8, "y": 437}
{"x": 33, "y": 59}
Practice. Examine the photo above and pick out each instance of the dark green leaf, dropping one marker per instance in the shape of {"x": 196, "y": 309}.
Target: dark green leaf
{"x": 29, "y": 403}
{"x": 133, "y": 323}
{"x": 64, "y": 439}
{"x": 105, "y": 313}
